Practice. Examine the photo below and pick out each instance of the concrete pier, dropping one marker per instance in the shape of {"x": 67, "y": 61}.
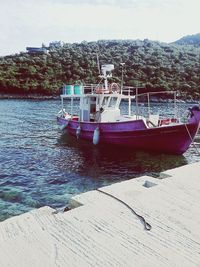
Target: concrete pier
{"x": 101, "y": 231}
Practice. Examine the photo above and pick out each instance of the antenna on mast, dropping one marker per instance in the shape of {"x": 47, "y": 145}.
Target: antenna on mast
{"x": 122, "y": 80}
{"x": 98, "y": 64}
{"x": 104, "y": 69}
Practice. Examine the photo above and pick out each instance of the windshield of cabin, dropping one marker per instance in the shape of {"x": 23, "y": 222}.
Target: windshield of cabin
{"x": 113, "y": 102}
{"x": 105, "y": 101}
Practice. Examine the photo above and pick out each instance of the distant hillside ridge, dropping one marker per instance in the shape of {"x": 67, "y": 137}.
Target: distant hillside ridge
{"x": 154, "y": 65}
{"x": 189, "y": 40}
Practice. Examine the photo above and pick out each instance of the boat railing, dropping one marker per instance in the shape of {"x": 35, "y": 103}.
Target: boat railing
{"x": 137, "y": 92}
{"x": 94, "y": 89}
{"x": 77, "y": 90}
{"x": 130, "y": 90}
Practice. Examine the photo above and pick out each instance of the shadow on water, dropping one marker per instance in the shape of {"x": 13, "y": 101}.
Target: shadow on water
{"x": 117, "y": 163}
{"x": 40, "y": 166}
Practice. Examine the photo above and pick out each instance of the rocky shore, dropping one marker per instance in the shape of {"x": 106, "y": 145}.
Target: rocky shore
{"x": 57, "y": 97}
{"x": 29, "y": 96}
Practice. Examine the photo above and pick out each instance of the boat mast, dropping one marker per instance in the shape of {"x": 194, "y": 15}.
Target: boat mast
{"x": 129, "y": 106}
{"x": 62, "y": 103}
{"x": 98, "y": 64}
{"x": 72, "y": 103}
{"x": 104, "y": 69}
{"x": 136, "y": 100}
{"x": 149, "y": 109}
{"x": 122, "y": 81}
{"x": 81, "y": 108}
{"x": 175, "y": 106}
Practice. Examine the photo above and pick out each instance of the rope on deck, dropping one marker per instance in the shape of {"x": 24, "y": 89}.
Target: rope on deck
{"x": 147, "y": 226}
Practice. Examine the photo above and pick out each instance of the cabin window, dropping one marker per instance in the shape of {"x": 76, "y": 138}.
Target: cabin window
{"x": 113, "y": 102}
{"x": 85, "y": 101}
{"x": 93, "y": 99}
{"x": 93, "y": 108}
{"x": 105, "y": 101}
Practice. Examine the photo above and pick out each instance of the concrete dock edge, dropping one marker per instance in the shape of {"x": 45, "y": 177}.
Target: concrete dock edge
{"x": 100, "y": 231}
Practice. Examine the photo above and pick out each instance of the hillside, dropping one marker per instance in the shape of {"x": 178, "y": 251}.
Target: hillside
{"x": 147, "y": 63}
{"x": 189, "y": 40}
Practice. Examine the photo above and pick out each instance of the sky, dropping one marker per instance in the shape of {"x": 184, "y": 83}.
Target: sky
{"x": 33, "y": 22}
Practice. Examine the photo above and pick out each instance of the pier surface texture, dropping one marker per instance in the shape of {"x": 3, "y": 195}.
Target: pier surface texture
{"x": 103, "y": 232}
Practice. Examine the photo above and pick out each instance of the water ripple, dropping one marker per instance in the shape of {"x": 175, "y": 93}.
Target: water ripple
{"x": 40, "y": 166}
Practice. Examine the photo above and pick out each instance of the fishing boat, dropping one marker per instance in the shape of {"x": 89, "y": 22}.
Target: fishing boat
{"x": 99, "y": 118}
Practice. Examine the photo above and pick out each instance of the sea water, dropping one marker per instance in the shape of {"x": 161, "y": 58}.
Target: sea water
{"x": 41, "y": 166}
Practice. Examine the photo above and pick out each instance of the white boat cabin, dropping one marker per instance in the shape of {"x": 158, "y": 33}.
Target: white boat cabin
{"x": 101, "y": 102}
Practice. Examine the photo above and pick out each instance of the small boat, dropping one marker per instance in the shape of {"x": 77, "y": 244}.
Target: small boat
{"x": 99, "y": 118}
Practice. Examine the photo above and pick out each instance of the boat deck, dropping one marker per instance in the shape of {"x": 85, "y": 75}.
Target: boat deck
{"x": 101, "y": 231}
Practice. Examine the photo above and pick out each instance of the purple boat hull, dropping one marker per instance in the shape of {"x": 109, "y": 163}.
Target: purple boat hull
{"x": 172, "y": 139}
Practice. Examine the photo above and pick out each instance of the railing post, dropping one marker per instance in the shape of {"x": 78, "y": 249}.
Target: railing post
{"x": 136, "y": 100}
{"x": 175, "y": 107}
{"x": 148, "y": 99}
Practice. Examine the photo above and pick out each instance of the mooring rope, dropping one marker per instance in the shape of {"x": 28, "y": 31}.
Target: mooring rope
{"x": 192, "y": 140}
{"x": 147, "y": 226}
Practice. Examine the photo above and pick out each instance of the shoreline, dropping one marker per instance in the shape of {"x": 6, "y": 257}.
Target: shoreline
{"x": 57, "y": 97}
{"x": 30, "y": 96}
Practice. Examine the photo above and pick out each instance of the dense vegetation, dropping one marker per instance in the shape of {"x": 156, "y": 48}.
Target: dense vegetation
{"x": 151, "y": 64}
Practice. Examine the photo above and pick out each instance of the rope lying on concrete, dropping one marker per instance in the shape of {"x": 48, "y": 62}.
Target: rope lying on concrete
{"x": 147, "y": 226}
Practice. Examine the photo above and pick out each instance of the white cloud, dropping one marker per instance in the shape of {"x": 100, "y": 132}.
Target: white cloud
{"x": 31, "y": 22}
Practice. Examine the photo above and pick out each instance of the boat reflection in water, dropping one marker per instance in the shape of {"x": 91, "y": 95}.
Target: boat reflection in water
{"x": 108, "y": 163}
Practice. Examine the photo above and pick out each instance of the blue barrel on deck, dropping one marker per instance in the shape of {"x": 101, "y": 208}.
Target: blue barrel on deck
{"x": 78, "y": 89}
{"x": 68, "y": 89}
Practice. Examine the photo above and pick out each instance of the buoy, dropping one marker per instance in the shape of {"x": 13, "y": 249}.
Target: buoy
{"x": 78, "y": 131}
{"x": 96, "y": 136}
